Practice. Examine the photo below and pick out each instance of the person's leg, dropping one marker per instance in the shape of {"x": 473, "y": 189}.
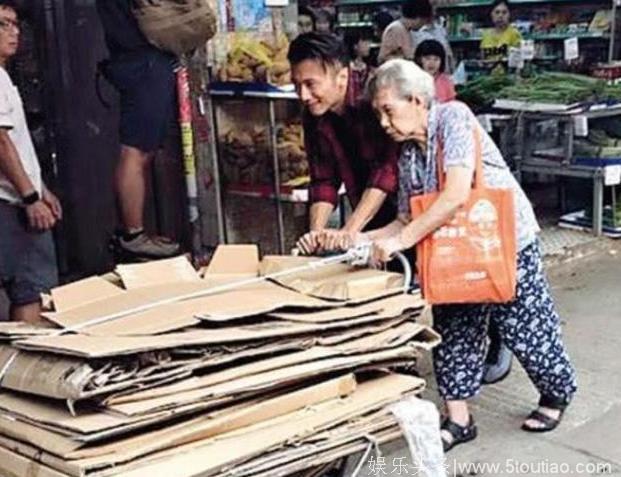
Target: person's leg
{"x": 458, "y": 359}
{"x": 131, "y": 185}
{"x": 498, "y": 359}
{"x": 35, "y": 272}
{"x": 146, "y": 112}
{"x": 29, "y": 313}
{"x": 530, "y": 326}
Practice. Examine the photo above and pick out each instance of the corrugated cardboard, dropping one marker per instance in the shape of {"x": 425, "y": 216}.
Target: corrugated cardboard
{"x": 209, "y": 456}
{"x": 332, "y": 282}
{"x": 246, "y": 301}
{"x": 105, "y": 346}
{"x": 191, "y": 429}
{"x": 44, "y": 374}
{"x": 234, "y": 261}
{"x": 214, "y": 424}
{"x": 82, "y": 292}
{"x": 12, "y": 464}
{"x": 420, "y": 336}
{"x": 394, "y": 306}
{"x": 14, "y": 330}
{"x": 157, "y": 272}
{"x": 272, "y": 379}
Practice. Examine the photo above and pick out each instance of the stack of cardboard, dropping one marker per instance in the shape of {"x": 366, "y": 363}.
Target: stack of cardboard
{"x": 266, "y": 379}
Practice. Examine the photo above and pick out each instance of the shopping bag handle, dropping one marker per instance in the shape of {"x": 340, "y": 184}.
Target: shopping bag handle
{"x": 478, "y": 164}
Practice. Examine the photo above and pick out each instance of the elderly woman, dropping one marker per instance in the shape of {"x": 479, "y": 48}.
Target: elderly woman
{"x": 402, "y": 97}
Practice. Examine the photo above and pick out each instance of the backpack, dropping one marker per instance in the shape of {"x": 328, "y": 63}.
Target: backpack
{"x": 177, "y": 26}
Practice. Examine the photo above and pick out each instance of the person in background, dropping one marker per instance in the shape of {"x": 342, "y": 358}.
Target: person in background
{"x": 145, "y": 79}
{"x": 345, "y": 143}
{"x": 402, "y": 95}
{"x": 429, "y": 29}
{"x": 496, "y": 41}
{"x": 325, "y": 21}
{"x": 306, "y": 20}
{"x": 431, "y": 57}
{"x": 28, "y": 210}
{"x": 397, "y": 40}
{"x": 381, "y": 20}
{"x": 359, "y": 49}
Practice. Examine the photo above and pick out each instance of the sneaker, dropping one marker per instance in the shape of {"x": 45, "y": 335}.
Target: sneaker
{"x": 498, "y": 369}
{"x": 149, "y": 247}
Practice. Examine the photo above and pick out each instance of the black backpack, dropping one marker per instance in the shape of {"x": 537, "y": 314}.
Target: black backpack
{"x": 177, "y": 26}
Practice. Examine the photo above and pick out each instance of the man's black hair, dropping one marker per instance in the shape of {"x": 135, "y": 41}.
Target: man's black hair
{"x": 382, "y": 19}
{"x": 352, "y": 38}
{"x": 12, "y": 4}
{"x": 307, "y": 12}
{"x": 431, "y": 47}
{"x": 326, "y": 48}
{"x": 417, "y": 9}
{"x": 324, "y": 15}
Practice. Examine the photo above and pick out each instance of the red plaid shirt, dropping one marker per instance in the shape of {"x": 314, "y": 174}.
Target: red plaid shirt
{"x": 354, "y": 150}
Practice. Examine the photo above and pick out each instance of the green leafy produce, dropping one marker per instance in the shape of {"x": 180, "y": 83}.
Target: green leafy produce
{"x": 483, "y": 91}
{"x": 561, "y": 88}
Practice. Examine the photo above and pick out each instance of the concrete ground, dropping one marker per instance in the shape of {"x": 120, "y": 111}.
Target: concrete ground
{"x": 588, "y": 442}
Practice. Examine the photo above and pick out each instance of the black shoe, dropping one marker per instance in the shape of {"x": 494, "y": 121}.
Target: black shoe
{"x": 547, "y": 423}
{"x": 460, "y": 434}
{"x": 495, "y": 370}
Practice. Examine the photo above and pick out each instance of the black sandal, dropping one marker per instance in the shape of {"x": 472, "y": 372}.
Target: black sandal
{"x": 548, "y": 423}
{"x": 460, "y": 434}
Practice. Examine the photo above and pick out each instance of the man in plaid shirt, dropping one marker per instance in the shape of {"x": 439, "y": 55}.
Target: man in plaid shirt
{"x": 345, "y": 144}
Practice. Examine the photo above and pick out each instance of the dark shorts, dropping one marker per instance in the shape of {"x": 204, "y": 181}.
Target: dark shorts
{"x": 146, "y": 83}
{"x": 27, "y": 258}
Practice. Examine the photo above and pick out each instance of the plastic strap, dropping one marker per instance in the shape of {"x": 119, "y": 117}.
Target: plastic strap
{"x": 478, "y": 165}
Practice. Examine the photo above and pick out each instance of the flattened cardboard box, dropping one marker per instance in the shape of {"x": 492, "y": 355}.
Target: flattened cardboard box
{"x": 211, "y": 454}
{"x": 134, "y": 315}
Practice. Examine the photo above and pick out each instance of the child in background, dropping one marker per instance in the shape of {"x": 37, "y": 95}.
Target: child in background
{"x": 431, "y": 57}
{"x": 306, "y": 20}
{"x": 359, "y": 49}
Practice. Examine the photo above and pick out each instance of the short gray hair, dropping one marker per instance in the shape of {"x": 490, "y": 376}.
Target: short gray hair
{"x": 406, "y": 77}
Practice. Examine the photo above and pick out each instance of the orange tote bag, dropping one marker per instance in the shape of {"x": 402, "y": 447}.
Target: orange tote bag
{"x": 473, "y": 257}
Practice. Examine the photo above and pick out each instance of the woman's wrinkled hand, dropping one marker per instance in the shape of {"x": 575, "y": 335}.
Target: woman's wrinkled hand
{"x": 383, "y": 251}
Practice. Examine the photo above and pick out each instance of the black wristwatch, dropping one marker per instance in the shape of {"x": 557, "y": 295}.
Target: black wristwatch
{"x": 31, "y": 198}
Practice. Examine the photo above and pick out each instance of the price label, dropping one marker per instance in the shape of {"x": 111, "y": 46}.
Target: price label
{"x": 572, "y": 50}
{"x": 528, "y": 49}
{"x": 581, "y": 126}
{"x": 515, "y": 58}
{"x": 612, "y": 175}
{"x": 276, "y": 3}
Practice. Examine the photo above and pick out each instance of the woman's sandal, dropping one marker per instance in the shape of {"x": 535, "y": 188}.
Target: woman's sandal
{"x": 547, "y": 423}
{"x": 460, "y": 434}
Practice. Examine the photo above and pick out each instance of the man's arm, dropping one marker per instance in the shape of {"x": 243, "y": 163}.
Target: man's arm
{"x": 40, "y": 215}
{"x": 319, "y": 215}
{"x": 370, "y": 203}
{"x": 11, "y": 167}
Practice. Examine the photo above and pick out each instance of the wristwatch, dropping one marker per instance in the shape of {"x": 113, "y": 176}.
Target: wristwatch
{"x": 31, "y": 198}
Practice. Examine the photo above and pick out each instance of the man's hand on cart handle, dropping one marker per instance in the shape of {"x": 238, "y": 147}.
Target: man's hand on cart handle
{"x": 328, "y": 240}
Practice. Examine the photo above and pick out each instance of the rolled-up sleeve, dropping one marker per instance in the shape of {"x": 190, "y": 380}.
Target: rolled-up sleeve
{"x": 385, "y": 169}
{"x": 6, "y": 108}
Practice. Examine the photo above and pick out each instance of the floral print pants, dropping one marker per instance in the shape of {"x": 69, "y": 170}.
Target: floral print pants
{"x": 529, "y": 326}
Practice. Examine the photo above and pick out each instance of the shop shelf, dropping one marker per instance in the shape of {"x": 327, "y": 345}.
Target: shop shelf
{"x": 251, "y": 90}
{"x": 539, "y": 36}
